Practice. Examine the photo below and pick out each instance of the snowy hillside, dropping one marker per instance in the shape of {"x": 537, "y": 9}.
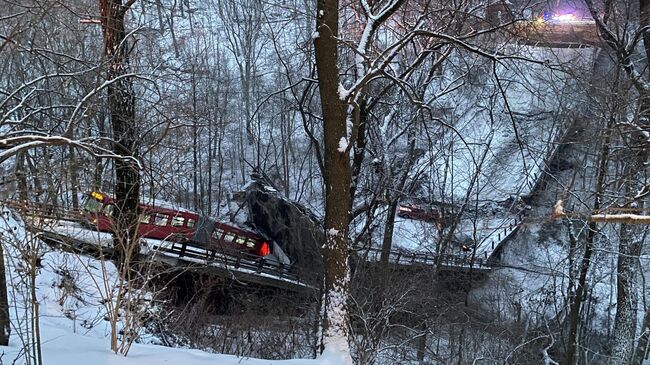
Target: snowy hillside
{"x": 448, "y": 182}
{"x": 71, "y": 290}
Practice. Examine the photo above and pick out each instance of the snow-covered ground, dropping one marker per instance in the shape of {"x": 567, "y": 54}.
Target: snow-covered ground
{"x": 76, "y": 231}
{"x": 415, "y": 235}
{"x": 508, "y": 128}
{"x": 72, "y": 291}
{"x": 534, "y": 279}
{"x": 61, "y": 346}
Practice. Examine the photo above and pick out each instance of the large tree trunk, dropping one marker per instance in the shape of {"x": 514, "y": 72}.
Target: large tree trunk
{"x": 74, "y": 179}
{"x": 631, "y": 239}
{"x": 629, "y": 250}
{"x": 337, "y": 185}
{"x": 633, "y": 236}
{"x": 576, "y": 298}
{"x": 644, "y": 340}
{"x": 5, "y": 323}
{"x": 121, "y": 101}
{"x": 21, "y": 178}
{"x": 625, "y": 321}
{"x": 387, "y": 243}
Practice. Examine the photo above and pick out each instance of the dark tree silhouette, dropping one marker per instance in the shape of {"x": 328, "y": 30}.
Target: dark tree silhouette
{"x": 121, "y": 101}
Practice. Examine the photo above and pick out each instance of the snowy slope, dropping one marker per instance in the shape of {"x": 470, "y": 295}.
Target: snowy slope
{"x": 509, "y": 124}
{"x": 71, "y": 289}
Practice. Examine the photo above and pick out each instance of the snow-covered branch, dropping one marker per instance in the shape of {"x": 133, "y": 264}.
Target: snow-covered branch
{"x": 13, "y": 145}
{"x": 627, "y": 218}
{"x": 623, "y": 53}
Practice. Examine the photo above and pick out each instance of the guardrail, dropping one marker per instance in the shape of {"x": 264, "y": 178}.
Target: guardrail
{"x": 493, "y": 241}
{"x": 399, "y": 257}
{"x": 242, "y": 261}
{"x": 497, "y": 237}
{"x": 187, "y": 251}
{"x": 197, "y": 253}
{"x": 47, "y": 211}
{"x": 542, "y": 168}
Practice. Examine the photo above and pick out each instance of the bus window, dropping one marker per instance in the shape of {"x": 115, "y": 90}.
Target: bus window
{"x": 190, "y": 223}
{"x": 240, "y": 240}
{"x": 229, "y": 237}
{"x": 92, "y": 205}
{"x": 178, "y": 221}
{"x": 108, "y": 210}
{"x": 250, "y": 243}
{"x": 217, "y": 233}
{"x": 161, "y": 219}
{"x": 145, "y": 218}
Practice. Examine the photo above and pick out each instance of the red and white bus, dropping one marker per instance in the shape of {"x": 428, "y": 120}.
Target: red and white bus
{"x": 164, "y": 223}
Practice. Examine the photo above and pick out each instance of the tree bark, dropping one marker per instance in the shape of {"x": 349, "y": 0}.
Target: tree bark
{"x": 644, "y": 340}
{"x": 5, "y": 323}
{"x": 387, "y": 243}
{"x": 121, "y": 101}
{"x": 21, "y": 178}
{"x": 631, "y": 239}
{"x": 337, "y": 179}
{"x": 74, "y": 179}
{"x": 576, "y": 299}
{"x": 625, "y": 321}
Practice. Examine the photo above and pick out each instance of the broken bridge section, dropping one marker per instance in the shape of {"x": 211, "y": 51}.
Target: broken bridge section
{"x": 297, "y": 231}
{"x": 300, "y": 234}
{"x": 66, "y": 230}
{"x": 290, "y": 225}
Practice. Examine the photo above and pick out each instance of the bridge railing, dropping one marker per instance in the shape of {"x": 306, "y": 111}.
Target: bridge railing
{"x": 533, "y": 180}
{"x": 213, "y": 256}
{"x": 402, "y": 257}
{"x": 185, "y": 250}
{"x": 43, "y": 211}
{"x": 497, "y": 237}
{"x": 481, "y": 258}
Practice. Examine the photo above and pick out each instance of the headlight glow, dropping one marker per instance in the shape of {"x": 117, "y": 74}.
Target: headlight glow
{"x": 564, "y": 17}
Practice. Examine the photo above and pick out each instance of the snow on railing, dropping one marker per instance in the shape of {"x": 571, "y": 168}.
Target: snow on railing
{"x": 232, "y": 259}
{"x": 402, "y": 257}
{"x": 535, "y": 175}
{"x": 489, "y": 244}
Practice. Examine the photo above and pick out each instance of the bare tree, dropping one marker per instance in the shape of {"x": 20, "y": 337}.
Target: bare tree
{"x": 338, "y": 200}
{"x": 122, "y": 111}
{"x": 634, "y": 181}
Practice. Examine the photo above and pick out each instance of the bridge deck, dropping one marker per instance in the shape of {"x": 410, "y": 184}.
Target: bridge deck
{"x": 63, "y": 228}
{"x": 415, "y": 259}
{"x": 490, "y": 244}
{"x": 187, "y": 255}
{"x": 558, "y": 35}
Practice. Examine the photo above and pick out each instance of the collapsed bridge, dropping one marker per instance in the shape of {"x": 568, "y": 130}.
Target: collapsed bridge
{"x": 292, "y": 227}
